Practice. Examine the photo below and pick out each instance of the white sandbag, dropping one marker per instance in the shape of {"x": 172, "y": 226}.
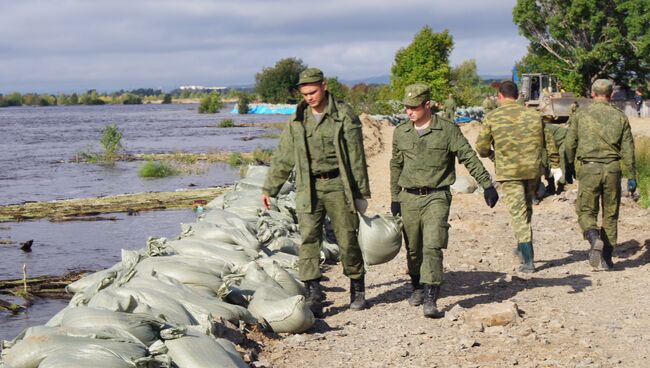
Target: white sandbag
{"x": 380, "y": 238}
{"x": 196, "y": 350}
{"x": 290, "y": 314}
{"x": 285, "y": 260}
{"x": 190, "y": 271}
{"x": 144, "y": 327}
{"x": 464, "y": 184}
{"x": 212, "y": 249}
{"x": 42, "y": 342}
{"x": 287, "y": 281}
{"x": 218, "y": 217}
{"x": 284, "y": 244}
{"x": 237, "y": 233}
{"x": 329, "y": 251}
{"x": 216, "y": 203}
{"x": 92, "y": 278}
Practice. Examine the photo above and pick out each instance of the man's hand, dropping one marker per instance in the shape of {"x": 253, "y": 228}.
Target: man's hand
{"x": 557, "y": 175}
{"x": 361, "y": 205}
{"x": 631, "y": 185}
{"x": 395, "y": 208}
{"x": 266, "y": 201}
{"x": 491, "y": 196}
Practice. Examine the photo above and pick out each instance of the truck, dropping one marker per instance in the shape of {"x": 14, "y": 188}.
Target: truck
{"x": 544, "y": 93}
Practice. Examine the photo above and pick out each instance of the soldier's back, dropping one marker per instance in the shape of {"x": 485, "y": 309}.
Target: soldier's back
{"x": 600, "y": 131}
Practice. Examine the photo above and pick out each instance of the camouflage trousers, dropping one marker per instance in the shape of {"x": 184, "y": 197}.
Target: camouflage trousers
{"x": 518, "y": 196}
{"x": 427, "y": 233}
{"x": 329, "y": 199}
{"x": 599, "y": 185}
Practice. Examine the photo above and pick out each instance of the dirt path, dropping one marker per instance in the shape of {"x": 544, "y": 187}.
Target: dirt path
{"x": 570, "y": 316}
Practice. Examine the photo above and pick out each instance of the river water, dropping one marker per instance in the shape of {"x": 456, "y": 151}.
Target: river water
{"x": 37, "y": 145}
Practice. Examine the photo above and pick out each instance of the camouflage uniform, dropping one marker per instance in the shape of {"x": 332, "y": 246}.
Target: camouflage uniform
{"x": 449, "y": 108}
{"x": 598, "y": 138}
{"x": 331, "y": 172}
{"x": 518, "y": 137}
{"x": 425, "y": 162}
{"x": 489, "y": 104}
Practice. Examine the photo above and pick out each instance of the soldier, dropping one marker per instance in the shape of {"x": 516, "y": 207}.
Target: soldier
{"x": 518, "y": 137}
{"x": 599, "y": 137}
{"x": 449, "y": 108}
{"x": 421, "y": 170}
{"x": 323, "y": 142}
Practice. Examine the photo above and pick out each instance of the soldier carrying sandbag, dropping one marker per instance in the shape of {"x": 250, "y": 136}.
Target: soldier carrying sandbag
{"x": 324, "y": 143}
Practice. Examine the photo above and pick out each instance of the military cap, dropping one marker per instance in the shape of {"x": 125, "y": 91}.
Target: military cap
{"x": 416, "y": 94}
{"x": 602, "y": 87}
{"x": 310, "y": 75}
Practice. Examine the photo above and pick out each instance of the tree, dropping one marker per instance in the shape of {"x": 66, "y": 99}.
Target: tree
{"x": 278, "y": 84}
{"x": 167, "y": 99}
{"x": 583, "y": 40}
{"x": 210, "y": 104}
{"x": 425, "y": 60}
{"x": 337, "y": 89}
{"x": 467, "y": 84}
{"x": 243, "y": 100}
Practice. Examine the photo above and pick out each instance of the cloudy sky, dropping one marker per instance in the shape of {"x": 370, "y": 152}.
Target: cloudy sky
{"x": 74, "y": 45}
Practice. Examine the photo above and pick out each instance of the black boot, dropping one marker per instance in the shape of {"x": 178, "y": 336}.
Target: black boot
{"x": 417, "y": 295}
{"x": 357, "y": 294}
{"x": 606, "y": 262}
{"x": 517, "y": 252}
{"x": 528, "y": 255}
{"x": 430, "y": 308}
{"x": 597, "y": 245}
{"x": 315, "y": 297}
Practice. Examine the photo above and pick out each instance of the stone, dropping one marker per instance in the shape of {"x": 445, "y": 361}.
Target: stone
{"x": 495, "y": 314}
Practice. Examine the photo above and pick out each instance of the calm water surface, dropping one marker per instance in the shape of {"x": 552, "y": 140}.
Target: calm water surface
{"x": 36, "y": 147}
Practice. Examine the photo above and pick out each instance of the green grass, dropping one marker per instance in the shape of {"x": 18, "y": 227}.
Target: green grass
{"x": 156, "y": 169}
{"x": 236, "y": 159}
{"x": 642, "y": 148}
{"x": 262, "y": 156}
{"x": 226, "y": 123}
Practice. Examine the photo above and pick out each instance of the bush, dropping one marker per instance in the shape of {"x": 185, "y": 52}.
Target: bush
{"x": 643, "y": 170}
{"x": 156, "y": 169}
{"x": 236, "y": 159}
{"x": 262, "y": 156}
{"x": 242, "y": 103}
{"x": 130, "y": 99}
{"x": 167, "y": 99}
{"x": 226, "y": 123}
{"x": 111, "y": 142}
{"x": 210, "y": 104}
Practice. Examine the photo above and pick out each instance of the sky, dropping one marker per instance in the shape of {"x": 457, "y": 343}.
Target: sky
{"x": 52, "y": 46}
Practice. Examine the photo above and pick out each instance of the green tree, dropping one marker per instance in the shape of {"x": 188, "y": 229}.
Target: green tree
{"x": 167, "y": 98}
{"x": 278, "y": 84}
{"x": 425, "y": 60}
{"x": 583, "y": 40}
{"x": 338, "y": 89}
{"x": 129, "y": 99}
{"x": 210, "y": 104}
{"x": 243, "y": 99}
{"x": 74, "y": 99}
{"x": 467, "y": 84}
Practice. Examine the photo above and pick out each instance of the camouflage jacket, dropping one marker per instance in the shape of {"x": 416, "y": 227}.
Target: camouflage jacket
{"x": 518, "y": 137}
{"x": 601, "y": 133}
{"x": 292, "y": 153}
{"x": 429, "y": 160}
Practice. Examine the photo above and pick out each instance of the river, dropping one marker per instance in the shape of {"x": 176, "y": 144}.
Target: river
{"x": 37, "y": 146}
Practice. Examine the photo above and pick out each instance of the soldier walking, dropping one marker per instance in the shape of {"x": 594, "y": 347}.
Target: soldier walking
{"x": 323, "y": 142}
{"x": 422, "y": 168}
{"x": 449, "y": 108}
{"x": 518, "y": 137}
{"x": 598, "y": 138}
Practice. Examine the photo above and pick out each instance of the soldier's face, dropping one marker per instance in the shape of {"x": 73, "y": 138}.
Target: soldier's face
{"x": 313, "y": 94}
{"x": 419, "y": 113}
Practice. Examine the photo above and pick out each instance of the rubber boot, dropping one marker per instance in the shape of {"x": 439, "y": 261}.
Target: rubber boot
{"x": 417, "y": 295}
{"x": 315, "y": 297}
{"x": 597, "y": 245}
{"x": 429, "y": 307}
{"x": 606, "y": 262}
{"x": 517, "y": 252}
{"x": 528, "y": 254}
{"x": 358, "y": 294}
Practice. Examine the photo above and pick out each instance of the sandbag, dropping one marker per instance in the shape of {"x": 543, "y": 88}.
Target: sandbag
{"x": 196, "y": 273}
{"x": 142, "y": 326}
{"x": 212, "y": 249}
{"x": 380, "y": 238}
{"x": 287, "y": 281}
{"x": 234, "y": 234}
{"x": 196, "y": 350}
{"x": 290, "y": 314}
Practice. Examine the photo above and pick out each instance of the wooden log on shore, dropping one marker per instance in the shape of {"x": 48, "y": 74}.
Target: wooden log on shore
{"x": 119, "y": 203}
{"x": 42, "y": 286}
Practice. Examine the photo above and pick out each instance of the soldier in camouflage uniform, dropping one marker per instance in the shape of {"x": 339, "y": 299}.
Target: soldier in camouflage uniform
{"x": 449, "y": 108}
{"x": 598, "y": 138}
{"x": 323, "y": 143}
{"x": 518, "y": 136}
{"x": 422, "y": 168}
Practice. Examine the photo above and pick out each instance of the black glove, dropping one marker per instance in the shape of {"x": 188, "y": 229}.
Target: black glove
{"x": 395, "y": 208}
{"x": 491, "y": 196}
{"x": 570, "y": 173}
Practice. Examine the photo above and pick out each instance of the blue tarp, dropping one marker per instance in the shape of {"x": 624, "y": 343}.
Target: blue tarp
{"x": 268, "y": 109}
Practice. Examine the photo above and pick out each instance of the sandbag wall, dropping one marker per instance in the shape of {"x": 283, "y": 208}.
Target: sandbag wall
{"x": 172, "y": 303}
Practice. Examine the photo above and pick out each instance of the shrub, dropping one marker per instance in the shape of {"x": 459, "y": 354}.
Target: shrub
{"x": 236, "y": 159}
{"x": 111, "y": 142}
{"x": 210, "y": 104}
{"x": 167, "y": 99}
{"x": 156, "y": 169}
{"x": 242, "y": 103}
{"x": 226, "y": 123}
{"x": 643, "y": 170}
{"x": 262, "y": 156}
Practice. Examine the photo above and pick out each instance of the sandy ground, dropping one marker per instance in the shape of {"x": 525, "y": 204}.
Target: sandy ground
{"x": 569, "y": 315}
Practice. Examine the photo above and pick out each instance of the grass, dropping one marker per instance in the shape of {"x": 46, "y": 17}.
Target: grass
{"x": 262, "y": 156}
{"x": 642, "y": 153}
{"x": 111, "y": 142}
{"x": 237, "y": 159}
{"x": 227, "y": 123}
{"x": 157, "y": 169}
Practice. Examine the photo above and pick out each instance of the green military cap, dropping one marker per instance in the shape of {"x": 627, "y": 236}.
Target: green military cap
{"x": 310, "y": 75}
{"x": 416, "y": 94}
{"x": 602, "y": 87}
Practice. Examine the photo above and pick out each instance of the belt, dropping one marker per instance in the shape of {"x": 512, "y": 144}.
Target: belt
{"x": 425, "y": 191}
{"x": 327, "y": 175}
{"x": 584, "y": 162}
